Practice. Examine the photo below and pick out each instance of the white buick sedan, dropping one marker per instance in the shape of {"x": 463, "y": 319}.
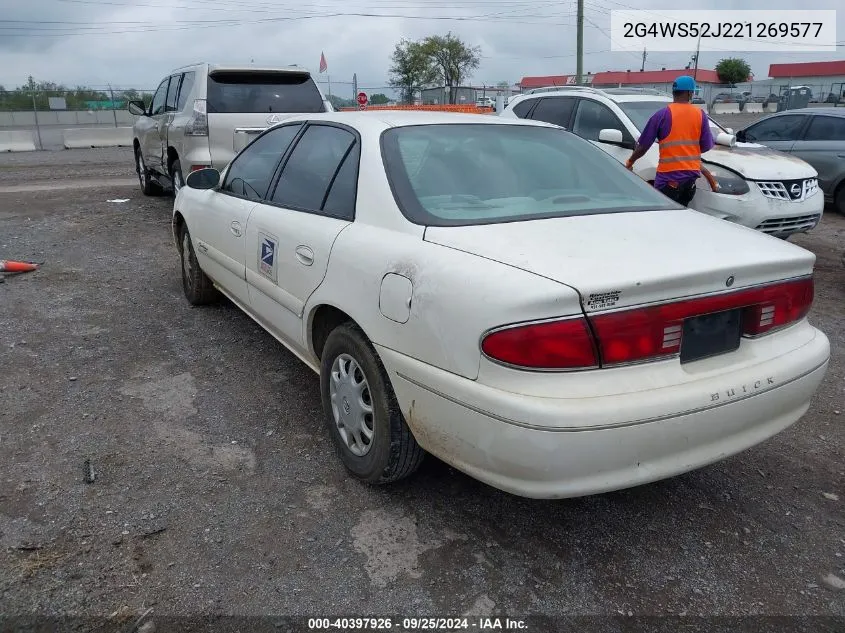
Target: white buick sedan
{"x": 504, "y": 295}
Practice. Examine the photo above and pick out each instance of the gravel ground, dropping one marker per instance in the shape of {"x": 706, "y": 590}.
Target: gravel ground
{"x": 216, "y": 489}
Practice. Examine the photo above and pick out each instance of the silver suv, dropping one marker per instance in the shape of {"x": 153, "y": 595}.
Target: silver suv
{"x": 203, "y": 114}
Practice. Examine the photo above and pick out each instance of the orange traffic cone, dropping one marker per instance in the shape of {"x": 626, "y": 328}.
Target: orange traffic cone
{"x": 9, "y": 266}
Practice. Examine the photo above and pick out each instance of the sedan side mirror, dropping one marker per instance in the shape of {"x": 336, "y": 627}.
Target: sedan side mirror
{"x": 137, "y": 108}
{"x": 740, "y": 136}
{"x": 207, "y": 178}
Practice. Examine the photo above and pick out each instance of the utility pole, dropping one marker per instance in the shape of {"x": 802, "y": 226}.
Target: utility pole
{"x": 697, "y": 51}
{"x": 113, "y": 109}
{"x": 642, "y": 67}
{"x": 579, "y": 51}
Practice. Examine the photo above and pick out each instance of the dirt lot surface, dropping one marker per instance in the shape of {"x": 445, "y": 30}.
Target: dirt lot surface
{"x": 216, "y": 489}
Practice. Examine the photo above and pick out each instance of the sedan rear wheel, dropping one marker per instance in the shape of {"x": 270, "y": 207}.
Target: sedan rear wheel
{"x": 363, "y": 416}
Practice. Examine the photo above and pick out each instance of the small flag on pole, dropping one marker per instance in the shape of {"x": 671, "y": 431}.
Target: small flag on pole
{"x": 323, "y": 65}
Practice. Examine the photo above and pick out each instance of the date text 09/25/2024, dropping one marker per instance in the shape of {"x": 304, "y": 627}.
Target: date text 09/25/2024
{"x": 418, "y": 624}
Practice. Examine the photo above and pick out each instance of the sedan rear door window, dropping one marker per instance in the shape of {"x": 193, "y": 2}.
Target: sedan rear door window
{"x": 247, "y": 91}
{"x": 826, "y": 128}
{"x": 311, "y": 169}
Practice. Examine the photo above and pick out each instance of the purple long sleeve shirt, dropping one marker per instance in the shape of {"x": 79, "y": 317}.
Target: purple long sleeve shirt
{"x": 658, "y": 128}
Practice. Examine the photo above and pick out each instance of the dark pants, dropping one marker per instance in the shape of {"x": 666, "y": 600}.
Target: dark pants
{"x": 680, "y": 192}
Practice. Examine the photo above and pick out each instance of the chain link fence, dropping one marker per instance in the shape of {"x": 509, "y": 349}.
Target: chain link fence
{"x": 47, "y": 110}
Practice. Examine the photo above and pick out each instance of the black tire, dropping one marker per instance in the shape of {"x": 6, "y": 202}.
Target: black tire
{"x": 176, "y": 177}
{"x": 199, "y": 289}
{"x": 148, "y": 186}
{"x": 839, "y": 199}
{"x": 394, "y": 453}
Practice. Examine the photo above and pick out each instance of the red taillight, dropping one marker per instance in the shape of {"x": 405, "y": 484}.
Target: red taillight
{"x": 198, "y": 167}
{"x": 655, "y": 331}
{"x": 778, "y": 306}
{"x": 642, "y": 334}
{"x": 566, "y": 344}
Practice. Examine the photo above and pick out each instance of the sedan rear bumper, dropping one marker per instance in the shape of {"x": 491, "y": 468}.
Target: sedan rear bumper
{"x": 534, "y": 457}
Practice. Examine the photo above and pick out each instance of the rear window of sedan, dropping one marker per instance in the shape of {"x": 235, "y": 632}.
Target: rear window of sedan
{"x": 464, "y": 174}
{"x": 246, "y": 91}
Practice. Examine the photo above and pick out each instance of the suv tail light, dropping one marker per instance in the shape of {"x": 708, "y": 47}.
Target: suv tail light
{"x": 197, "y": 125}
{"x": 643, "y": 334}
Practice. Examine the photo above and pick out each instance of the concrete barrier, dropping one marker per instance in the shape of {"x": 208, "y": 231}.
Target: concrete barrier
{"x": 98, "y": 137}
{"x": 17, "y": 141}
{"x": 753, "y": 108}
{"x": 701, "y": 106}
{"x": 771, "y": 107}
{"x": 725, "y": 108}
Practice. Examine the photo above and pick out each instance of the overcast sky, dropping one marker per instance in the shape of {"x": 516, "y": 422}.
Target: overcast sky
{"x": 134, "y": 44}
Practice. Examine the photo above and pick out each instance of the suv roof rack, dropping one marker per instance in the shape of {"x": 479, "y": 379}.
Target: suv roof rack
{"x": 635, "y": 91}
{"x": 556, "y": 88}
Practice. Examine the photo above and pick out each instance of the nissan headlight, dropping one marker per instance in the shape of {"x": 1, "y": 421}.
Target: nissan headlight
{"x": 730, "y": 182}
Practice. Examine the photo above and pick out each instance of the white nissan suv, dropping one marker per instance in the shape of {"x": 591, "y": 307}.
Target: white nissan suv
{"x": 759, "y": 187}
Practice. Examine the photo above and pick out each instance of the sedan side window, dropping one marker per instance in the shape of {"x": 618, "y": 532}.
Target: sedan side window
{"x": 778, "y": 128}
{"x": 252, "y": 170}
{"x": 556, "y": 110}
{"x": 826, "y": 128}
{"x": 310, "y": 170}
{"x": 340, "y": 201}
{"x": 592, "y": 117}
{"x": 157, "y": 106}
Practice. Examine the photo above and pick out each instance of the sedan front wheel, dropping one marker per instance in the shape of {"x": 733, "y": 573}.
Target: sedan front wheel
{"x": 198, "y": 288}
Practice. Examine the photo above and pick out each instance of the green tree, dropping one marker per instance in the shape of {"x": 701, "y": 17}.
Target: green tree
{"x": 379, "y": 99}
{"x": 503, "y": 85}
{"x": 453, "y": 60}
{"x": 733, "y": 70}
{"x": 411, "y": 69}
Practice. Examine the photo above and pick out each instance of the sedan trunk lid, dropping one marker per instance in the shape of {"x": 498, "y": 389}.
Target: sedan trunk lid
{"x": 618, "y": 260}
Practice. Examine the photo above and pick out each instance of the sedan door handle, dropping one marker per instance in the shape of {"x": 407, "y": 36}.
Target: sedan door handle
{"x": 305, "y": 255}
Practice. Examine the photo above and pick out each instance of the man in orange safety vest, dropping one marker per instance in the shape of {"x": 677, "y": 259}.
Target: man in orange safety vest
{"x": 682, "y": 132}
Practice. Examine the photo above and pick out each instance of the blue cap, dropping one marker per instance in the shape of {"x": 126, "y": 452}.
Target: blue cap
{"x": 684, "y": 83}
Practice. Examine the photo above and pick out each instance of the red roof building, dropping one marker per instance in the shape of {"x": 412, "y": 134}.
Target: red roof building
{"x": 636, "y": 77}
{"x": 621, "y": 77}
{"x": 807, "y": 69}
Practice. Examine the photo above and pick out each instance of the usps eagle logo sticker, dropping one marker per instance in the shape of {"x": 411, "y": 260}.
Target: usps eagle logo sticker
{"x": 267, "y": 255}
